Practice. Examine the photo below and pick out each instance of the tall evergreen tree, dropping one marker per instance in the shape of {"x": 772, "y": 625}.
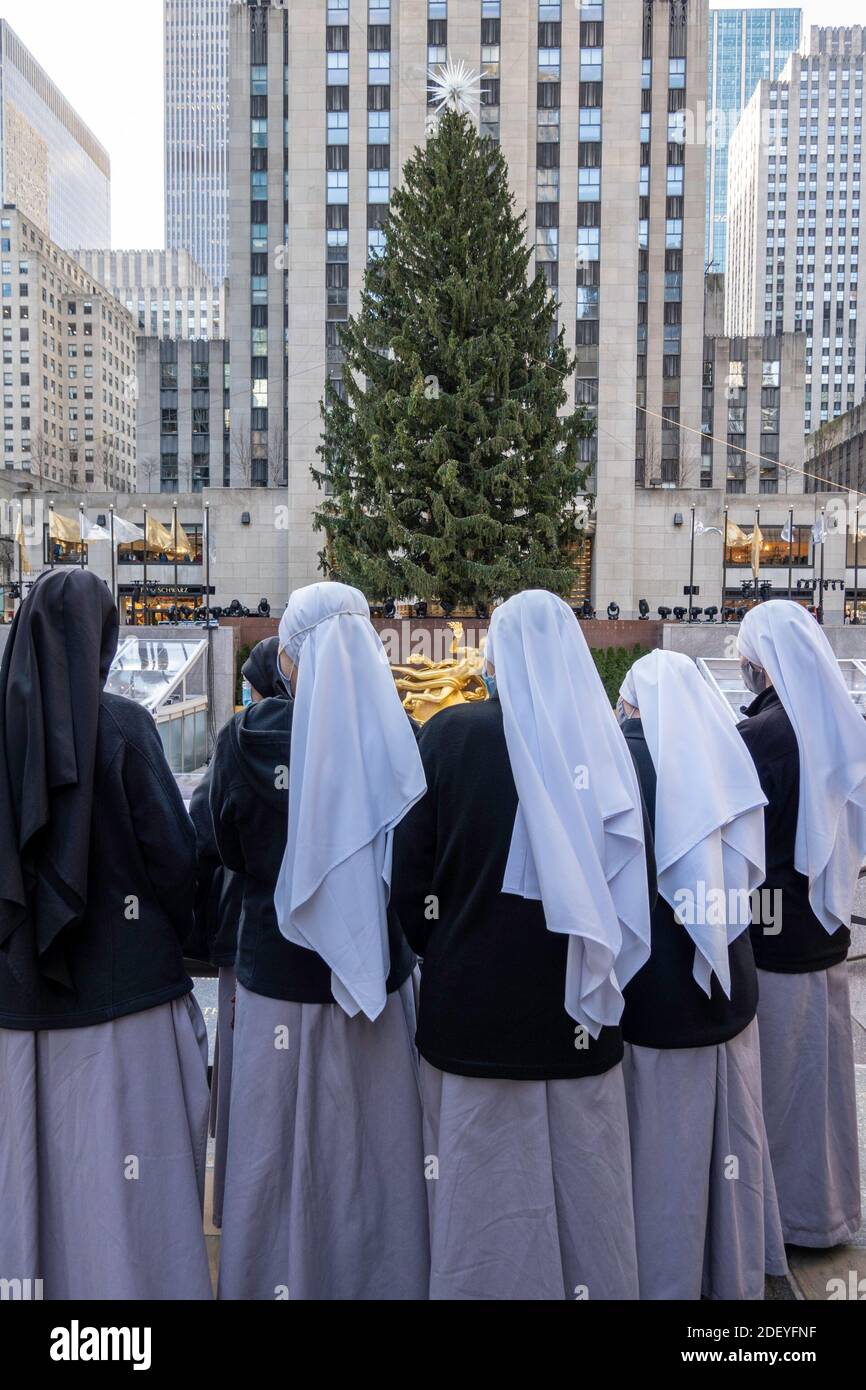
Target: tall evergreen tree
{"x": 452, "y": 473}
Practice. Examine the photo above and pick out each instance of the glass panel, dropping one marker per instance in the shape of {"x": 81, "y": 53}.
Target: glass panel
{"x": 188, "y": 723}
{"x": 146, "y": 670}
{"x": 200, "y": 737}
{"x": 175, "y": 750}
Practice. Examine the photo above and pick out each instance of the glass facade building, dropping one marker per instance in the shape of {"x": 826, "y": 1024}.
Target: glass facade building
{"x": 745, "y": 46}
{"x": 52, "y": 166}
{"x": 195, "y": 36}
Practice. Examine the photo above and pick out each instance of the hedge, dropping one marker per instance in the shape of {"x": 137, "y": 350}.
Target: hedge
{"x": 613, "y": 663}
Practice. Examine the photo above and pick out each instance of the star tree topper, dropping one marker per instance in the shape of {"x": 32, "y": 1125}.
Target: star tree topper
{"x": 454, "y": 86}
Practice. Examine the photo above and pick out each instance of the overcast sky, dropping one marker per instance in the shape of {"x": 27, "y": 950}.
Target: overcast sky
{"x": 106, "y": 57}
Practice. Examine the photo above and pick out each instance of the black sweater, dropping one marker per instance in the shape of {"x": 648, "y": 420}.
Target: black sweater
{"x": 664, "y": 1006}
{"x": 219, "y": 891}
{"x": 249, "y": 798}
{"x": 802, "y": 945}
{"x": 493, "y": 976}
{"x": 125, "y": 955}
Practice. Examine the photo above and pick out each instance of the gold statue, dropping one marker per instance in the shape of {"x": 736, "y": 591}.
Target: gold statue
{"x": 430, "y": 686}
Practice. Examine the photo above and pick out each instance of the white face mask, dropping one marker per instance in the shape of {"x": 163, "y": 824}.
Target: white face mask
{"x": 283, "y": 680}
{"x": 754, "y": 678}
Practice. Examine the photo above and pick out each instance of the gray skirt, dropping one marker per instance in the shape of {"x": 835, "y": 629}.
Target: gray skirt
{"x": 530, "y": 1188}
{"x": 810, "y": 1103}
{"x": 220, "y": 1089}
{"x": 103, "y": 1139}
{"x": 325, "y": 1195}
{"x": 706, "y": 1213}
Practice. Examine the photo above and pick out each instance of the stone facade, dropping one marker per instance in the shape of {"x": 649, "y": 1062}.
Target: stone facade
{"x": 167, "y": 292}
{"x": 69, "y": 362}
{"x": 616, "y": 212}
{"x": 183, "y": 442}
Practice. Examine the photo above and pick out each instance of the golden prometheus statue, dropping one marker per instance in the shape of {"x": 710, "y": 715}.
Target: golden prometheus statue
{"x": 430, "y": 686}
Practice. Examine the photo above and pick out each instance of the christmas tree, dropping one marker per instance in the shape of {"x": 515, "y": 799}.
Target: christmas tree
{"x": 452, "y": 474}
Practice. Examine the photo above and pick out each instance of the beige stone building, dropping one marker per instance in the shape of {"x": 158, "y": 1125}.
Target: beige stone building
{"x": 248, "y": 552}
{"x": 69, "y": 368}
{"x": 167, "y": 292}
{"x": 596, "y": 108}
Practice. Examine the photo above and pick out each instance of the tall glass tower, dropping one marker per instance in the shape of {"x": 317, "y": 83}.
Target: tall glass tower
{"x": 52, "y": 167}
{"x": 195, "y": 36}
{"x": 745, "y": 46}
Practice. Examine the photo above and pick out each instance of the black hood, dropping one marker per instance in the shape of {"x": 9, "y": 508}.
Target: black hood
{"x": 260, "y": 669}
{"x": 55, "y": 665}
{"x": 262, "y": 735}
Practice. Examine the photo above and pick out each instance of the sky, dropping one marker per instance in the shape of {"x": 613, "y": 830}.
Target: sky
{"x": 106, "y": 57}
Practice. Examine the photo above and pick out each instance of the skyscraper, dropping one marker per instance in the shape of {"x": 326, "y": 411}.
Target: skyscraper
{"x": 592, "y": 105}
{"x": 794, "y": 231}
{"x": 195, "y": 34}
{"x": 745, "y": 46}
{"x": 52, "y": 167}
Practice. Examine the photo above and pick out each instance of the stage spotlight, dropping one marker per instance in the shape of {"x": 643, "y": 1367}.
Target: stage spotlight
{"x": 389, "y": 608}
{"x": 481, "y": 610}
{"x": 421, "y": 608}
{"x": 679, "y": 614}
{"x": 664, "y": 614}
{"x": 264, "y": 608}
{"x": 728, "y": 615}
{"x": 695, "y": 615}
{"x": 612, "y": 612}
{"x": 586, "y": 610}
{"x": 643, "y": 609}
{"x": 447, "y": 606}
{"x": 711, "y": 614}
{"x": 741, "y": 613}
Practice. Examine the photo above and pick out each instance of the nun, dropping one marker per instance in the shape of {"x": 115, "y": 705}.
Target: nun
{"x": 521, "y": 878}
{"x": 325, "y": 1194}
{"x": 103, "y": 1051}
{"x": 219, "y": 897}
{"x": 692, "y": 1057}
{"x": 808, "y": 743}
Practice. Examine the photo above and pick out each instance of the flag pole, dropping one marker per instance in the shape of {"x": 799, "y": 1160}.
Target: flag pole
{"x": 856, "y": 617}
{"x": 692, "y": 567}
{"x": 174, "y": 505}
{"x": 21, "y": 555}
{"x": 821, "y": 598}
{"x": 81, "y": 534}
{"x": 207, "y": 563}
{"x": 50, "y": 535}
{"x": 845, "y": 571}
{"x": 113, "y": 554}
{"x": 724, "y": 561}
{"x": 790, "y": 550}
{"x": 144, "y": 585}
{"x": 756, "y": 549}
